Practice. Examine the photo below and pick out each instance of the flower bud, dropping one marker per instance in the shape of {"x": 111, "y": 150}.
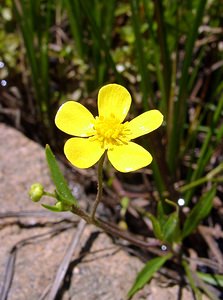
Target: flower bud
{"x": 62, "y": 207}
{"x": 36, "y": 192}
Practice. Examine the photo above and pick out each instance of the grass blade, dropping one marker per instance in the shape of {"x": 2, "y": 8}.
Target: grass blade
{"x": 180, "y": 105}
{"x": 76, "y": 25}
{"x": 164, "y": 49}
{"x": 145, "y": 84}
{"x": 99, "y": 37}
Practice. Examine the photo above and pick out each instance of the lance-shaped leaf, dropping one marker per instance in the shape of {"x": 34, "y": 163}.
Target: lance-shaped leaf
{"x": 51, "y": 208}
{"x": 171, "y": 229}
{"x": 59, "y": 207}
{"x": 199, "y": 212}
{"x": 147, "y": 273}
{"x": 214, "y": 279}
{"x": 62, "y": 188}
{"x": 156, "y": 227}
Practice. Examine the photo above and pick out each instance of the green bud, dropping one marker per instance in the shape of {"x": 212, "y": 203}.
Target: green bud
{"x": 62, "y": 207}
{"x": 59, "y": 205}
{"x": 36, "y": 192}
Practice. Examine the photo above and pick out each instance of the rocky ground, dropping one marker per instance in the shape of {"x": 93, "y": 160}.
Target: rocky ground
{"x": 35, "y": 243}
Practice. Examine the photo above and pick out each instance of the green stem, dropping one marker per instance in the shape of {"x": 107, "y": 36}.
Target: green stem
{"x": 191, "y": 280}
{"x": 100, "y": 187}
{"x": 209, "y": 177}
{"x": 49, "y": 194}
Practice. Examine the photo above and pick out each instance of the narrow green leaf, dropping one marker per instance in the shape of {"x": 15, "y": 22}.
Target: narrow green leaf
{"x": 191, "y": 280}
{"x": 58, "y": 179}
{"x": 199, "y": 212}
{"x": 51, "y": 208}
{"x": 160, "y": 213}
{"x": 147, "y": 273}
{"x": 197, "y": 283}
{"x": 207, "y": 151}
{"x": 145, "y": 84}
{"x": 86, "y": 6}
{"x": 214, "y": 279}
{"x": 171, "y": 230}
{"x": 162, "y": 37}
{"x": 156, "y": 227}
{"x": 180, "y": 108}
{"x": 74, "y": 14}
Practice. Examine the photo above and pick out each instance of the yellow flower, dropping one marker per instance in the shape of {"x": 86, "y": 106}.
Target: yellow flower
{"x": 107, "y": 132}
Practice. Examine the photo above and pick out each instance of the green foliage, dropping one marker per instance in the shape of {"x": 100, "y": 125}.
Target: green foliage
{"x": 199, "y": 211}
{"x": 35, "y": 20}
{"x": 62, "y": 190}
{"x": 197, "y": 284}
{"x": 214, "y": 279}
{"x": 168, "y": 53}
{"x": 99, "y": 18}
{"x": 151, "y": 267}
{"x": 166, "y": 227}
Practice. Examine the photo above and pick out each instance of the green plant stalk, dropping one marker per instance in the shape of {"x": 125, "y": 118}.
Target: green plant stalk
{"x": 145, "y": 84}
{"x": 159, "y": 168}
{"x": 164, "y": 50}
{"x": 164, "y": 182}
{"x": 44, "y": 64}
{"x": 201, "y": 114}
{"x": 109, "y": 20}
{"x": 100, "y": 38}
{"x": 191, "y": 280}
{"x": 180, "y": 105}
{"x": 51, "y": 195}
{"x": 97, "y": 56}
{"x": 209, "y": 177}
{"x": 36, "y": 45}
{"x": 159, "y": 180}
{"x": 160, "y": 78}
{"x": 214, "y": 279}
{"x": 206, "y": 151}
{"x": 74, "y": 14}
{"x": 100, "y": 187}
{"x": 27, "y": 34}
{"x": 104, "y": 16}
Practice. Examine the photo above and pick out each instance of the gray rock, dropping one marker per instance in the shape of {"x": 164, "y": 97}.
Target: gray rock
{"x": 103, "y": 271}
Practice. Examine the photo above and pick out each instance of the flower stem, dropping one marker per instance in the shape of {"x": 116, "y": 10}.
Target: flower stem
{"x": 100, "y": 187}
{"x": 49, "y": 194}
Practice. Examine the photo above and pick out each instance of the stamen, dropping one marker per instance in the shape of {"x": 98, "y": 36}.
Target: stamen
{"x": 110, "y": 132}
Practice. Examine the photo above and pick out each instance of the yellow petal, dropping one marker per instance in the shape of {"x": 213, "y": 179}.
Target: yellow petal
{"x": 130, "y": 157}
{"x": 82, "y": 152}
{"x": 75, "y": 119}
{"x": 145, "y": 123}
{"x": 114, "y": 100}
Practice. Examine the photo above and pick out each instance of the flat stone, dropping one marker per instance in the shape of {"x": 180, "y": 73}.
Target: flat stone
{"x": 101, "y": 270}
{"x": 22, "y": 163}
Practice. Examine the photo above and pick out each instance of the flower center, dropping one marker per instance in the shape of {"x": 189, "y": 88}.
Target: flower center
{"x": 110, "y": 132}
